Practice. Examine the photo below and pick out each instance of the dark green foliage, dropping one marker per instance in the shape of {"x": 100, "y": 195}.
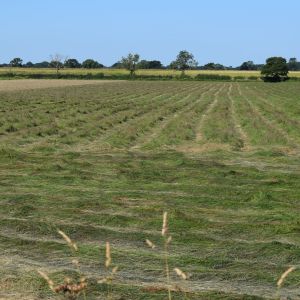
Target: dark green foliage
{"x": 91, "y": 64}
{"x": 150, "y": 64}
{"x": 72, "y": 63}
{"x": 213, "y": 66}
{"x": 248, "y": 66}
{"x": 293, "y": 64}
{"x": 184, "y": 61}
{"x": 117, "y": 65}
{"x": 275, "y": 70}
{"x": 29, "y": 64}
{"x": 16, "y": 62}
{"x": 43, "y": 64}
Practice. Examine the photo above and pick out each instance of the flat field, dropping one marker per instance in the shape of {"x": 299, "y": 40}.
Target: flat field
{"x": 102, "y": 162}
{"x": 107, "y": 72}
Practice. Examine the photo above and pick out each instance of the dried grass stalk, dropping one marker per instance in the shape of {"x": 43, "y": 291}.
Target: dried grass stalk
{"x": 150, "y": 244}
{"x": 68, "y": 240}
{"x": 180, "y": 273}
{"x": 107, "y": 255}
{"x": 165, "y": 224}
{"x": 284, "y": 275}
{"x": 49, "y": 281}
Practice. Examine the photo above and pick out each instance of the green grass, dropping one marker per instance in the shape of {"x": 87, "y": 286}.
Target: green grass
{"x": 103, "y": 162}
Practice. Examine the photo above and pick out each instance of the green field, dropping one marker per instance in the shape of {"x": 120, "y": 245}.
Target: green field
{"x": 102, "y": 162}
{"x": 107, "y": 72}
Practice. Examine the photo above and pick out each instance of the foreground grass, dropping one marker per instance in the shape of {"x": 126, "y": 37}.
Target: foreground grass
{"x": 103, "y": 162}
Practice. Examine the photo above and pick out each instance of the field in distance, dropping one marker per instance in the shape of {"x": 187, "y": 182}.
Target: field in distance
{"x": 103, "y": 161}
{"x": 105, "y": 71}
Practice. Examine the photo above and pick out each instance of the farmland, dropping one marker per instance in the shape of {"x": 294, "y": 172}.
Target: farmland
{"x": 103, "y": 161}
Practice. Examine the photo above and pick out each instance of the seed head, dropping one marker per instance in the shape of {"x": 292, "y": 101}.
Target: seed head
{"x": 107, "y": 255}
{"x": 180, "y": 273}
{"x": 49, "y": 281}
{"x": 150, "y": 244}
{"x": 165, "y": 224}
{"x": 68, "y": 240}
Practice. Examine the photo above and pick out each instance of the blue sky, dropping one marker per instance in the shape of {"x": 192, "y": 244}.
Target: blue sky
{"x": 223, "y": 31}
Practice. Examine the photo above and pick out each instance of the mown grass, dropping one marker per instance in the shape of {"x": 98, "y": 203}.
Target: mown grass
{"x": 103, "y": 162}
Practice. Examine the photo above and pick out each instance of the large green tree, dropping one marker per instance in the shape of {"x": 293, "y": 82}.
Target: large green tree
{"x": 130, "y": 63}
{"x": 275, "y": 69}
{"x": 184, "y": 61}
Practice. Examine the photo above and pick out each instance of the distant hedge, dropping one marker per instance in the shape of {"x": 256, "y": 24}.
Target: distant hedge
{"x": 52, "y": 76}
{"x": 90, "y": 76}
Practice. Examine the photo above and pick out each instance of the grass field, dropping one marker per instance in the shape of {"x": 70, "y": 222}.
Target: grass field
{"x": 232, "y": 73}
{"x": 102, "y": 162}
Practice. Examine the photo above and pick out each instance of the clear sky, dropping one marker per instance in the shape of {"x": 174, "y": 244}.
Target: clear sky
{"x": 223, "y": 31}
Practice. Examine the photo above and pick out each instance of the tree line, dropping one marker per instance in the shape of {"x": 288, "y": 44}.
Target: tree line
{"x": 59, "y": 61}
{"x": 275, "y": 68}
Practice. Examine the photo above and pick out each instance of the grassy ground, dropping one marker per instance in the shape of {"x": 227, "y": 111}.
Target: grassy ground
{"x": 232, "y": 73}
{"x": 102, "y": 163}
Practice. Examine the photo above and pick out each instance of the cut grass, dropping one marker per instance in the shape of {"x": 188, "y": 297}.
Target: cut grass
{"x": 71, "y": 163}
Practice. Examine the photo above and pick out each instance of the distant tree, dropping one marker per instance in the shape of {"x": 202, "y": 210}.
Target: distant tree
{"x": 117, "y": 65}
{"x": 43, "y": 64}
{"x": 275, "y": 69}
{"x": 29, "y": 64}
{"x": 91, "y": 64}
{"x": 150, "y": 64}
{"x": 213, "y": 66}
{"x": 248, "y": 66}
{"x": 16, "y": 62}
{"x": 57, "y": 62}
{"x": 130, "y": 63}
{"x": 293, "y": 64}
{"x": 209, "y": 66}
{"x": 143, "y": 64}
{"x": 259, "y": 66}
{"x": 172, "y": 65}
{"x": 184, "y": 61}
{"x": 72, "y": 63}
{"x": 155, "y": 64}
